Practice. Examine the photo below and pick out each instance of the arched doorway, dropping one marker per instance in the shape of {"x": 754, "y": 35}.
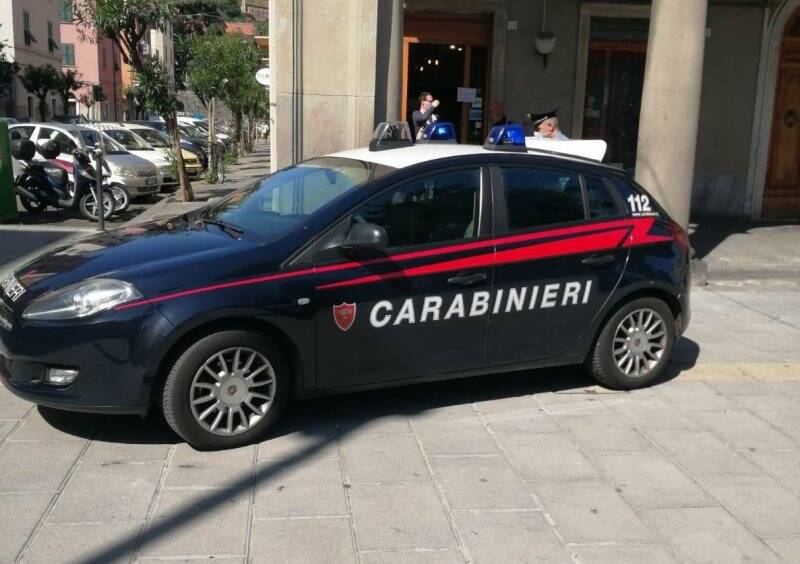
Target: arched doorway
{"x": 782, "y": 185}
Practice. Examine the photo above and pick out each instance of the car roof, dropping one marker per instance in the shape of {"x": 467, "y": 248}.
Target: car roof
{"x": 420, "y": 153}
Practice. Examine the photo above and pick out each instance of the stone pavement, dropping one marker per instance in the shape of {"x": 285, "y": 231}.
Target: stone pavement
{"x": 541, "y": 465}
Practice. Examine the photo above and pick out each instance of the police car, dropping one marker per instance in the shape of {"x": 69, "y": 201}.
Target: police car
{"x": 381, "y": 266}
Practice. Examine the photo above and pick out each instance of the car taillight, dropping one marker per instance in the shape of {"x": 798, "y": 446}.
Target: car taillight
{"x": 680, "y": 236}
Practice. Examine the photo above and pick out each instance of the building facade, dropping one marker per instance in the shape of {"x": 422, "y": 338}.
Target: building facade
{"x": 97, "y": 62}
{"x": 586, "y": 58}
{"x": 30, "y": 30}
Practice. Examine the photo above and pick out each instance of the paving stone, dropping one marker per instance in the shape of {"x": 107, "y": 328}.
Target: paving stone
{"x": 107, "y": 493}
{"x": 509, "y": 536}
{"x": 708, "y": 534}
{"x": 691, "y": 394}
{"x": 760, "y": 404}
{"x": 55, "y": 426}
{"x": 649, "y": 479}
{"x": 651, "y": 414}
{"x": 36, "y": 466}
{"x": 384, "y": 458}
{"x": 74, "y": 543}
{"x": 456, "y": 412}
{"x": 590, "y": 511}
{"x": 100, "y": 452}
{"x": 19, "y": 515}
{"x": 700, "y": 453}
{"x": 652, "y": 553}
{"x": 767, "y": 507}
{"x": 603, "y": 433}
{"x": 5, "y": 428}
{"x": 783, "y": 464}
{"x": 11, "y": 407}
{"x": 301, "y": 445}
{"x": 575, "y": 403}
{"x": 386, "y": 425}
{"x": 785, "y": 422}
{"x": 532, "y": 419}
{"x": 312, "y": 488}
{"x": 398, "y": 516}
{"x": 197, "y": 522}
{"x": 302, "y": 540}
{"x": 454, "y": 436}
{"x": 551, "y": 456}
{"x": 481, "y": 483}
{"x": 193, "y": 559}
{"x": 439, "y": 556}
{"x": 741, "y": 387}
{"x": 192, "y": 468}
{"x": 742, "y": 429}
{"x": 788, "y": 548}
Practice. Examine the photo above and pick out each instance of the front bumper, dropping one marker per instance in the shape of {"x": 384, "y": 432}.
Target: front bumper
{"x": 113, "y": 355}
{"x": 139, "y": 185}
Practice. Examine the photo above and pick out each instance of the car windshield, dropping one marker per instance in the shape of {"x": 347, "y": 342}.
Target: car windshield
{"x": 129, "y": 140}
{"x": 190, "y": 131}
{"x": 154, "y": 137}
{"x": 288, "y": 197}
{"x": 93, "y": 137}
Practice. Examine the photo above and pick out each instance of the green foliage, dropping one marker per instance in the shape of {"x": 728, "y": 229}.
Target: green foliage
{"x": 40, "y": 81}
{"x": 8, "y": 70}
{"x": 223, "y": 66}
{"x": 231, "y": 156}
{"x": 67, "y": 84}
{"x": 153, "y": 85}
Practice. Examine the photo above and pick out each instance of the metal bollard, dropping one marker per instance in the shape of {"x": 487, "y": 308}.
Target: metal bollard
{"x": 98, "y": 175}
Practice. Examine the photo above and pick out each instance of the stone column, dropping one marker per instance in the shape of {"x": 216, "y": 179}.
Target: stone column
{"x": 394, "y": 83}
{"x": 671, "y": 103}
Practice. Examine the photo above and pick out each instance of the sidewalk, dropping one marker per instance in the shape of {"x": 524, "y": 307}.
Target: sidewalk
{"x": 541, "y": 465}
{"x": 249, "y": 168}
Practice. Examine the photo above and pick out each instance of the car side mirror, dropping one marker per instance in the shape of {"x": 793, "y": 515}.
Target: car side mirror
{"x": 364, "y": 238}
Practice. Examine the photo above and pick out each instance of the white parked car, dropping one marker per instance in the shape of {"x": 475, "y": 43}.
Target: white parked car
{"x": 136, "y": 145}
{"x": 130, "y": 176}
{"x": 163, "y": 143}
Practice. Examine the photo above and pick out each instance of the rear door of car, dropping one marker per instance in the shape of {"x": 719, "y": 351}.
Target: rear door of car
{"x": 560, "y": 253}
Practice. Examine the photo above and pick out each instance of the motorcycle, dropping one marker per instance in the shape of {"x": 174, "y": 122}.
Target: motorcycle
{"x": 47, "y": 184}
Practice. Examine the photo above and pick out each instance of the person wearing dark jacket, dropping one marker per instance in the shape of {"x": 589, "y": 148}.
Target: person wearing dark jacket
{"x": 425, "y": 114}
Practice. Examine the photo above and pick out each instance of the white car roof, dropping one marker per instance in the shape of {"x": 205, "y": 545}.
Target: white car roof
{"x": 408, "y": 156}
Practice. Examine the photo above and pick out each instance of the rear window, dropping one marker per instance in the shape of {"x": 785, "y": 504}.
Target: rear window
{"x": 599, "y": 199}
{"x": 637, "y": 202}
{"x": 537, "y": 197}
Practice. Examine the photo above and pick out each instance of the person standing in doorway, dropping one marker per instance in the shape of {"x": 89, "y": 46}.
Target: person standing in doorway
{"x": 425, "y": 114}
{"x": 546, "y": 126}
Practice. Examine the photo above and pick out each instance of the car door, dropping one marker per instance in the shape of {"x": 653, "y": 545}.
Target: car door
{"x": 560, "y": 253}
{"x": 405, "y": 312}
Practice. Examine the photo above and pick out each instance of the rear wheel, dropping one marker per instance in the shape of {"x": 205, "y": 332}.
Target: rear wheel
{"x": 634, "y": 345}
{"x": 33, "y": 206}
{"x": 226, "y": 390}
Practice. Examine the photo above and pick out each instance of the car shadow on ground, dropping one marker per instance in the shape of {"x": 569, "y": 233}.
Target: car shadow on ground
{"x": 328, "y": 420}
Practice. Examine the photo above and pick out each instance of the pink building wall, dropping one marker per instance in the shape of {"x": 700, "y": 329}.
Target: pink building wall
{"x": 96, "y": 63}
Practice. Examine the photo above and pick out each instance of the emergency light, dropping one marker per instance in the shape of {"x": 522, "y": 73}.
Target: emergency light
{"x": 440, "y": 132}
{"x": 391, "y": 135}
{"x": 509, "y": 137}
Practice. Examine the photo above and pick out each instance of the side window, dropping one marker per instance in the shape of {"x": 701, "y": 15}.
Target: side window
{"x": 22, "y": 132}
{"x": 599, "y": 199}
{"x": 48, "y": 134}
{"x": 433, "y": 209}
{"x": 637, "y": 204}
{"x": 536, "y": 197}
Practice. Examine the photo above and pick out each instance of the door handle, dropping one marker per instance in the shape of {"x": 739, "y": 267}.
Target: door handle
{"x": 466, "y": 279}
{"x": 599, "y": 260}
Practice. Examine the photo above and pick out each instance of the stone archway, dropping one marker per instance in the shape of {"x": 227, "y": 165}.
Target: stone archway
{"x": 765, "y": 105}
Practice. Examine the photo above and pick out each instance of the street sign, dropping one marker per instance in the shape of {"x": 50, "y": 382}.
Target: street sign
{"x": 262, "y": 77}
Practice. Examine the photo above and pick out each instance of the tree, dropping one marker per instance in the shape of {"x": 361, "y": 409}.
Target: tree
{"x": 68, "y": 83}
{"x": 8, "y": 70}
{"x": 256, "y": 108}
{"x": 126, "y": 22}
{"x": 40, "y": 81}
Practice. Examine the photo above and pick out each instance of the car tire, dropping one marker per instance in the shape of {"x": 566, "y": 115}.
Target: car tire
{"x": 122, "y": 198}
{"x": 88, "y": 208}
{"x": 643, "y": 328}
{"x": 194, "y": 415}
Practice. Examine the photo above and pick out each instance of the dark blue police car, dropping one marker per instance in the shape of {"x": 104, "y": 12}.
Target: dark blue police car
{"x": 356, "y": 270}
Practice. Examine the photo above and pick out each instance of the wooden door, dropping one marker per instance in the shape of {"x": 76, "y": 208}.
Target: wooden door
{"x": 782, "y": 190}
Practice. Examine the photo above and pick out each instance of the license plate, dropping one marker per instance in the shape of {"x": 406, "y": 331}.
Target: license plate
{"x": 12, "y": 288}
{"x": 150, "y": 180}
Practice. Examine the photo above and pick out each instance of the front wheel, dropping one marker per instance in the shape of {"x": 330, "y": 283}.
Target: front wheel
{"x": 226, "y": 390}
{"x": 634, "y": 345}
{"x": 122, "y": 198}
{"x": 88, "y": 205}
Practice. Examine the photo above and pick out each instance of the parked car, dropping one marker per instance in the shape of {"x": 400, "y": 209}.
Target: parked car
{"x": 136, "y": 175}
{"x": 163, "y": 143}
{"x": 203, "y": 126}
{"x": 197, "y": 146}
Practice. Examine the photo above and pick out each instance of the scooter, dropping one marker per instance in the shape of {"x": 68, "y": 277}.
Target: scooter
{"x": 47, "y": 184}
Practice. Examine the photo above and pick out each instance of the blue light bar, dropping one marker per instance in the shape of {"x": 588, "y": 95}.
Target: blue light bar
{"x": 510, "y": 137}
{"x": 440, "y": 132}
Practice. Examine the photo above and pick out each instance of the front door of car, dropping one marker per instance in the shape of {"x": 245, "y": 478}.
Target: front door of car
{"x": 407, "y": 311}
{"x": 560, "y": 254}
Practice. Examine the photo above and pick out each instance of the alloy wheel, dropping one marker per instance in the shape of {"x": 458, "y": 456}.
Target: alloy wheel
{"x": 639, "y": 342}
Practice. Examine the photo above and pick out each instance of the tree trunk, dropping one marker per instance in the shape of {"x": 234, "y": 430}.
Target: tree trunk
{"x": 183, "y": 179}
{"x": 43, "y": 108}
{"x": 237, "y": 130}
{"x": 212, "y": 136}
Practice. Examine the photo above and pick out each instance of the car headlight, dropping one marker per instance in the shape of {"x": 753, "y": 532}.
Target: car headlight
{"x": 124, "y": 171}
{"x": 81, "y": 300}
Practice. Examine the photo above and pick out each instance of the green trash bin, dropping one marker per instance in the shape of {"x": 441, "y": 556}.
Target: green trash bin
{"x": 8, "y": 197}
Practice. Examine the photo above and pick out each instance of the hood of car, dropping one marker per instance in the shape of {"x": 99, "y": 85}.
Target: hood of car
{"x": 152, "y": 156}
{"x": 129, "y": 160}
{"x": 176, "y": 248}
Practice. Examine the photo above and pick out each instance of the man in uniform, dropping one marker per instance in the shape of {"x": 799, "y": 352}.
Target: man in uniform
{"x": 546, "y": 126}
{"x": 424, "y": 115}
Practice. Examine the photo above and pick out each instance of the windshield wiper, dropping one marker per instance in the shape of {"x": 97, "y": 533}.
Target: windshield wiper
{"x": 231, "y": 230}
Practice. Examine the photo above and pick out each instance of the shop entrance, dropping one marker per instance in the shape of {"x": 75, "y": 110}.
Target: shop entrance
{"x": 442, "y": 53}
